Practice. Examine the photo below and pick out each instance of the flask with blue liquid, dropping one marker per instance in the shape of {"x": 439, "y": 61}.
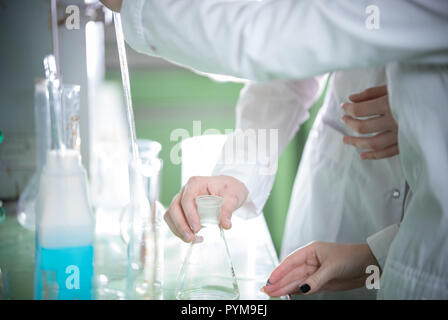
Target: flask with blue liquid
{"x": 64, "y": 221}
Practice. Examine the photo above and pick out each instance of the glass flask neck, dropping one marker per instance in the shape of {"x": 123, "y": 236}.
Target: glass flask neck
{"x": 209, "y": 231}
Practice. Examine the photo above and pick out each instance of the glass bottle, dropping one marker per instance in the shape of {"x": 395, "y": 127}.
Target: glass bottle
{"x": 26, "y": 205}
{"x": 141, "y": 225}
{"x": 70, "y": 99}
{"x": 64, "y": 221}
{"x": 207, "y": 272}
{"x": 153, "y": 246}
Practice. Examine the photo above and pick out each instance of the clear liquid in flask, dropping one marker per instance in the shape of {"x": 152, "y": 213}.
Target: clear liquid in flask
{"x": 207, "y": 272}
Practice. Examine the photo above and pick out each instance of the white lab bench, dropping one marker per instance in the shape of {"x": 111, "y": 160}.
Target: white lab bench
{"x": 253, "y": 256}
{"x": 250, "y": 244}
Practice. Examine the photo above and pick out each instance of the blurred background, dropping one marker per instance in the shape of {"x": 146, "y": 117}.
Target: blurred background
{"x": 165, "y": 97}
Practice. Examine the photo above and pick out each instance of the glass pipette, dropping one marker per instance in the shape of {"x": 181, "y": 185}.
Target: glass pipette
{"x": 126, "y": 83}
{"x": 54, "y": 98}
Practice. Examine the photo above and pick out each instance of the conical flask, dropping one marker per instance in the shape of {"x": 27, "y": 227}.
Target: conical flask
{"x": 207, "y": 272}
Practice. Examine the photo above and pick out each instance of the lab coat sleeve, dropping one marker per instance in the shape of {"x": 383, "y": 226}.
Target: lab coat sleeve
{"x": 380, "y": 242}
{"x": 268, "y": 115}
{"x": 278, "y": 39}
{"x": 417, "y": 263}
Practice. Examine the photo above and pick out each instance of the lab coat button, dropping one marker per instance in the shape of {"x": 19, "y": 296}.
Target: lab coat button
{"x": 396, "y": 194}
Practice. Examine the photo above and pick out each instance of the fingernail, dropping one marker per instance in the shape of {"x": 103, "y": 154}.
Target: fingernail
{"x": 198, "y": 239}
{"x": 305, "y": 288}
{"x": 227, "y": 223}
{"x": 354, "y": 96}
{"x": 262, "y": 290}
{"x": 268, "y": 283}
{"x": 194, "y": 227}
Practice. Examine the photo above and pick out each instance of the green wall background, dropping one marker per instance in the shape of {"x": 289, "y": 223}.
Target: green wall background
{"x": 166, "y": 99}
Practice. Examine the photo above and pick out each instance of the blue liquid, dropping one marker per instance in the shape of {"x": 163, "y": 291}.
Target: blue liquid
{"x": 64, "y": 273}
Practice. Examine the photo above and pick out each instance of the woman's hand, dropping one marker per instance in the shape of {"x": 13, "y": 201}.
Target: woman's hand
{"x": 182, "y": 216}
{"x": 114, "y": 5}
{"x": 321, "y": 266}
{"x": 372, "y": 102}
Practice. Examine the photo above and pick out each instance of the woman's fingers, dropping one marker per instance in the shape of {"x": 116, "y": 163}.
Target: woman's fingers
{"x": 372, "y": 102}
{"x": 307, "y": 279}
{"x": 291, "y": 282}
{"x": 372, "y": 125}
{"x": 175, "y": 219}
{"x": 388, "y": 152}
{"x": 379, "y": 142}
{"x": 171, "y": 225}
{"x": 189, "y": 193}
{"x": 369, "y": 94}
{"x": 182, "y": 216}
{"x": 233, "y": 192}
{"x": 321, "y": 266}
{"x": 295, "y": 259}
{"x": 378, "y": 106}
{"x": 317, "y": 280}
{"x": 229, "y": 205}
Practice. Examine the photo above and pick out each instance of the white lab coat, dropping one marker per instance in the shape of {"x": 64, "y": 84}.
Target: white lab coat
{"x": 295, "y": 39}
{"x": 417, "y": 263}
{"x": 337, "y": 197}
{"x": 272, "y": 39}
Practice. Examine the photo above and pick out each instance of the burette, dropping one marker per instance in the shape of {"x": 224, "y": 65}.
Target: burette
{"x": 135, "y": 189}
{"x": 126, "y": 84}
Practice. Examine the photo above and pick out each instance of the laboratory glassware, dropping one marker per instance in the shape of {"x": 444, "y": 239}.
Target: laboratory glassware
{"x": 26, "y": 205}
{"x": 64, "y": 222}
{"x": 70, "y": 100}
{"x": 126, "y": 84}
{"x": 207, "y": 272}
{"x": 141, "y": 226}
{"x": 53, "y": 92}
{"x": 70, "y": 119}
{"x": 137, "y": 284}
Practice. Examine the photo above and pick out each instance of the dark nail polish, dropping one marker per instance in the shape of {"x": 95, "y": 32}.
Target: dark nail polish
{"x": 305, "y": 288}
{"x": 268, "y": 283}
